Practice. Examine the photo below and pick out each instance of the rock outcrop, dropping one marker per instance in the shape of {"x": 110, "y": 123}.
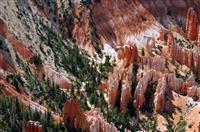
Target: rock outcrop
{"x": 119, "y": 82}
{"x": 113, "y": 86}
{"x": 97, "y": 122}
{"x": 33, "y": 126}
{"x": 126, "y": 88}
{"x": 139, "y": 95}
{"x": 192, "y": 24}
{"x": 160, "y": 96}
{"x": 188, "y": 57}
{"x": 44, "y": 72}
{"x": 166, "y": 83}
{"x": 184, "y": 55}
{"x": 128, "y": 54}
{"x": 194, "y": 92}
{"x": 91, "y": 121}
{"x": 156, "y": 63}
{"x": 75, "y": 115}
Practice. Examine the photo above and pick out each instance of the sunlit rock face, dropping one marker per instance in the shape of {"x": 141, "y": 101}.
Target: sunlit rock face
{"x": 156, "y": 63}
{"x": 119, "y": 82}
{"x": 198, "y": 38}
{"x": 75, "y": 114}
{"x": 91, "y": 121}
{"x": 192, "y": 24}
{"x": 160, "y": 95}
{"x": 126, "y": 88}
{"x": 139, "y": 95}
{"x": 167, "y": 82}
{"x": 44, "y": 72}
{"x": 170, "y": 43}
{"x": 113, "y": 86}
{"x": 97, "y": 122}
{"x": 194, "y": 92}
{"x": 33, "y": 126}
{"x": 188, "y": 57}
{"x": 123, "y": 22}
{"x": 183, "y": 56}
{"x": 127, "y": 55}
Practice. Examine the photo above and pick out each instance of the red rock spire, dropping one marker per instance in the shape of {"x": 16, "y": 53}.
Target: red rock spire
{"x": 198, "y": 39}
{"x": 170, "y": 43}
{"x": 191, "y": 24}
{"x": 32, "y": 126}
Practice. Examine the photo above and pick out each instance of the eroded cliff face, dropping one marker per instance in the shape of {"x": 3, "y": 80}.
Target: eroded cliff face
{"x": 166, "y": 11}
{"x": 119, "y": 82}
{"x": 124, "y": 22}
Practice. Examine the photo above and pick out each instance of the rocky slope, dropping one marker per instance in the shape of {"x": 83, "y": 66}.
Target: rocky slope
{"x": 112, "y": 65}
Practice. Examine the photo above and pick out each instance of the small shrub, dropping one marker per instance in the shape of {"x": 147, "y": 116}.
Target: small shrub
{"x": 36, "y": 60}
{"x": 143, "y": 52}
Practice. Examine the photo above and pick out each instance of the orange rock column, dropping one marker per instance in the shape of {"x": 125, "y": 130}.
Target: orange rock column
{"x": 170, "y": 43}
{"x": 191, "y": 25}
{"x": 32, "y": 126}
{"x": 198, "y": 39}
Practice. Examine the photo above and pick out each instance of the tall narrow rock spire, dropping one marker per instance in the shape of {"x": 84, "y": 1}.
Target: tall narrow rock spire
{"x": 191, "y": 24}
